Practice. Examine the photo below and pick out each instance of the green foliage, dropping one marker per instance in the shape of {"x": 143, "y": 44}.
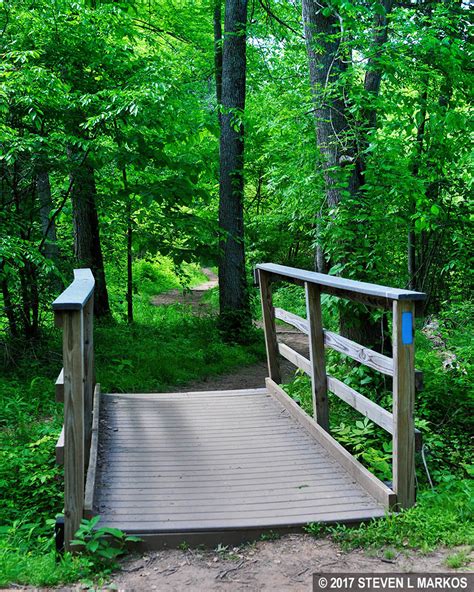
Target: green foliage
{"x": 460, "y": 559}
{"x": 442, "y": 517}
{"x": 143, "y": 116}
{"x": 442, "y": 409}
{"x": 103, "y": 545}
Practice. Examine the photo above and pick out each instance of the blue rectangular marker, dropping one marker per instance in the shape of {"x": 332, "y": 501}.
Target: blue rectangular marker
{"x": 407, "y": 328}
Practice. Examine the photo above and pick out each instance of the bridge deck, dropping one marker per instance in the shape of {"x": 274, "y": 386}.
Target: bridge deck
{"x": 191, "y": 465}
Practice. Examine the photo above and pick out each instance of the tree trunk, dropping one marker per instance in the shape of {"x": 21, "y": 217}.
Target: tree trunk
{"x": 233, "y": 293}
{"x": 332, "y": 121}
{"x": 325, "y": 65}
{"x": 87, "y": 247}
{"x": 129, "y": 247}
{"x": 8, "y": 307}
{"x": 48, "y": 226}
{"x": 218, "y": 54}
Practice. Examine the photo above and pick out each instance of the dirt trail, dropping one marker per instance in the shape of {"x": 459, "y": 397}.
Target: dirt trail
{"x": 285, "y": 564}
{"x": 245, "y": 377}
{"x": 193, "y": 296}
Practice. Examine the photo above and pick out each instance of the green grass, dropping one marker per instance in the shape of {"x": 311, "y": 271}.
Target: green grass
{"x": 165, "y": 346}
{"x": 460, "y": 559}
{"x": 440, "y": 518}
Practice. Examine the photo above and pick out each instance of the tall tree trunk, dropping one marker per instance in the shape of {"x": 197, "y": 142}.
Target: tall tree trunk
{"x": 218, "y": 54}
{"x": 8, "y": 306}
{"x": 233, "y": 292}
{"x": 325, "y": 65}
{"x": 413, "y": 268}
{"x": 129, "y": 247}
{"x": 323, "y": 34}
{"x": 87, "y": 247}
{"x": 48, "y": 226}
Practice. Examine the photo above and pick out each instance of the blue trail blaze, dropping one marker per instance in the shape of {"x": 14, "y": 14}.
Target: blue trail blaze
{"x": 407, "y": 328}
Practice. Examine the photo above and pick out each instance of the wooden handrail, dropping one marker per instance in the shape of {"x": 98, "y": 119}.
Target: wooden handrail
{"x": 78, "y": 293}
{"x": 371, "y": 294}
{"x": 74, "y": 312}
{"x": 403, "y": 303}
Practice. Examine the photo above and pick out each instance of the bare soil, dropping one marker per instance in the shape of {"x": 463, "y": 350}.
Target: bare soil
{"x": 286, "y": 564}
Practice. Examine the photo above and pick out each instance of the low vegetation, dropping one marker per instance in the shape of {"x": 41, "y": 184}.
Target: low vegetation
{"x": 170, "y": 347}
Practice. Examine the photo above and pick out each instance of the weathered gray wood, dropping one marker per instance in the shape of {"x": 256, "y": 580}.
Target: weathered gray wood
{"x": 78, "y": 293}
{"x": 252, "y": 466}
{"x": 191, "y": 395}
{"x": 403, "y": 408}
{"x": 369, "y": 482}
{"x": 292, "y": 319}
{"x": 93, "y": 454}
{"x": 295, "y": 358}
{"x": 60, "y": 448}
{"x": 138, "y": 524}
{"x": 317, "y": 356}
{"x": 59, "y": 387}
{"x": 89, "y": 374}
{"x": 341, "y": 285}
{"x": 349, "y": 348}
{"x": 73, "y": 359}
{"x": 268, "y": 315}
{"x": 372, "y": 410}
{"x": 365, "y": 406}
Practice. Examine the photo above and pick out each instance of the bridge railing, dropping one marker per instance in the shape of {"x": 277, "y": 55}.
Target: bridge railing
{"x": 74, "y": 313}
{"x": 404, "y": 304}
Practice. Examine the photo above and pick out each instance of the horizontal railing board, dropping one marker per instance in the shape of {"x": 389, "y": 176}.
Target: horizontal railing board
{"x": 60, "y": 448}
{"x": 59, "y": 387}
{"x": 347, "y": 347}
{"x": 77, "y": 294}
{"x": 341, "y": 284}
{"x": 93, "y": 454}
{"x": 365, "y": 406}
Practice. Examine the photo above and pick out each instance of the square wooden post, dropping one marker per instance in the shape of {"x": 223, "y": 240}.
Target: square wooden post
{"x": 317, "y": 356}
{"x": 89, "y": 373}
{"x": 268, "y": 315}
{"x": 73, "y": 359}
{"x": 404, "y": 402}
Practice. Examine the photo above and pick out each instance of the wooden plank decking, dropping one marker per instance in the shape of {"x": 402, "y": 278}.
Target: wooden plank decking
{"x": 216, "y": 462}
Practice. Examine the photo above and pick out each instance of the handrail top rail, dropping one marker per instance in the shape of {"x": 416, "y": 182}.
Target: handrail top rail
{"x": 341, "y": 284}
{"x": 78, "y": 293}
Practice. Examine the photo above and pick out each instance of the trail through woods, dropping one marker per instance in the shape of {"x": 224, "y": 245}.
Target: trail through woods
{"x": 286, "y": 564}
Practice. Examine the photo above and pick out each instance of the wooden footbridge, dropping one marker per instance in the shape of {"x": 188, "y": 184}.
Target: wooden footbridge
{"x": 217, "y": 466}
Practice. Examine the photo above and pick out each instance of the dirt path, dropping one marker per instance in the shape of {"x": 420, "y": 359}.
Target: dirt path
{"x": 192, "y": 296}
{"x": 285, "y": 564}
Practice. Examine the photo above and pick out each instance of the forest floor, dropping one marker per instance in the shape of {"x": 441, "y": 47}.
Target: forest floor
{"x": 283, "y": 564}
{"x": 286, "y": 564}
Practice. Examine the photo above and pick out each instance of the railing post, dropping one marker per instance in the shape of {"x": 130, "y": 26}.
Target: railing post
{"x": 73, "y": 359}
{"x": 317, "y": 357}
{"x": 89, "y": 374}
{"x": 268, "y": 315}
{"x": 403, "y": 402}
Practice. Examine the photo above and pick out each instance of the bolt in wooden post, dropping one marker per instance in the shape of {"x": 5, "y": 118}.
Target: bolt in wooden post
{"x": 89, "y": 373}
{"x": 268, "y": 315}
{"x": 73, "y": 359}
{"x": 317, "y": 356}
{"x": 403, "y": 402}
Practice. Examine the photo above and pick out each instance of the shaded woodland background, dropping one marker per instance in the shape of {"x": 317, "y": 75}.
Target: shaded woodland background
{"x": 148, "y": 138}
